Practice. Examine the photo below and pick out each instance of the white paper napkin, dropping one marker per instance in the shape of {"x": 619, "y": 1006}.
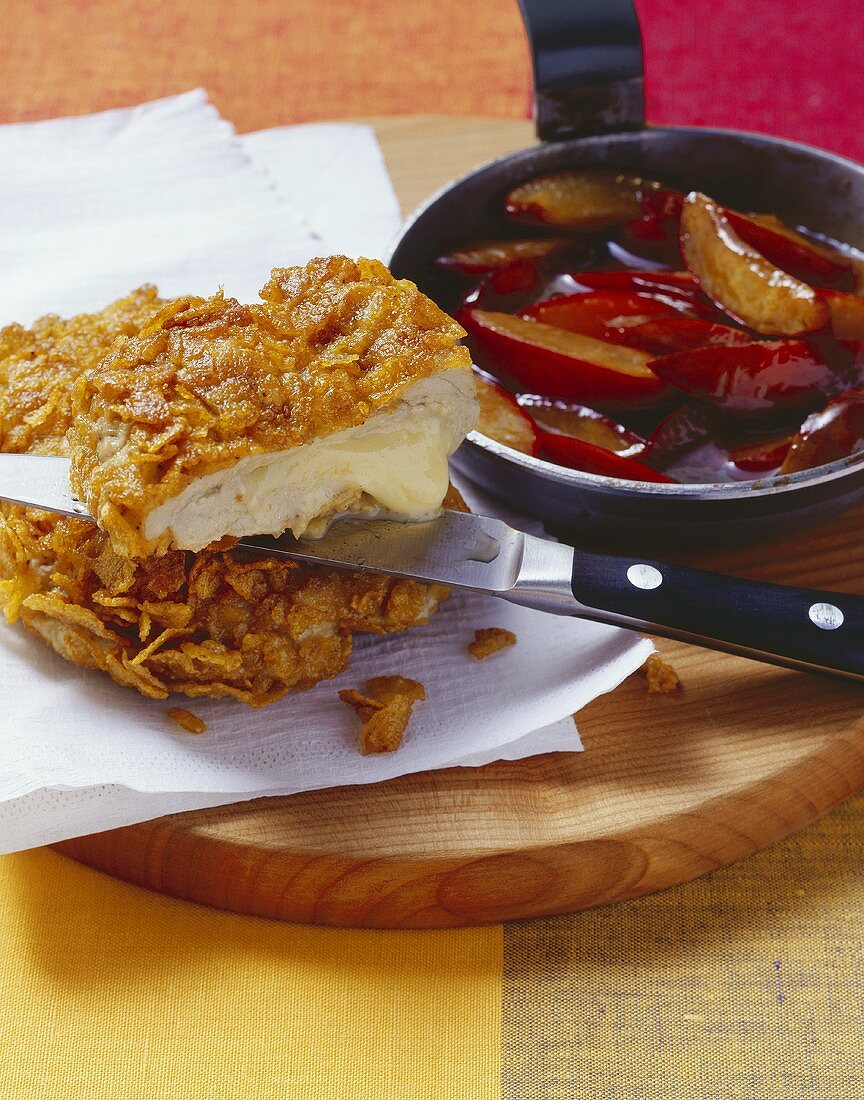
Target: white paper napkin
{"x": 91, "y": 207}
{"x": 335, "y": 173}
{"x": 166, "y": 193}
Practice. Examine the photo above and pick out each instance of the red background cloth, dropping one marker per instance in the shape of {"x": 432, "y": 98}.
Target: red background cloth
{"x": 776, "y": 66}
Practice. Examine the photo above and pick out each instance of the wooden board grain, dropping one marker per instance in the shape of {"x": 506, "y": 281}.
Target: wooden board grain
{"x": 670, "y": 787}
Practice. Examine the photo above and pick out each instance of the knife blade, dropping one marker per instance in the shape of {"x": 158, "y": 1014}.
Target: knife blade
{"x": 800, "y": 628}
{"x": 41, "y": 481}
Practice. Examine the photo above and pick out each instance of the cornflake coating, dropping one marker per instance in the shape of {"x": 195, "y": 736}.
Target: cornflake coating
{"x": 388, "y": 688}
{"x": 490, "y": 640}
{"x": 385, "y": 711}
{"x": 208, "y": 382}
{"x": 213, "y": 624}
{"x": 186, "y": 720}
{"x": 39, "y": 365}
{"x": 661, "y": 676}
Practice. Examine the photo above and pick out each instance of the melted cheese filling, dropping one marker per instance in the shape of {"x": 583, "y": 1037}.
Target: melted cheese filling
{"x": 394, "y": 464}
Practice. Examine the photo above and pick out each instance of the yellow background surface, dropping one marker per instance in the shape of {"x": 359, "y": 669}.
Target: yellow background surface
{"x": 108, "y": 992}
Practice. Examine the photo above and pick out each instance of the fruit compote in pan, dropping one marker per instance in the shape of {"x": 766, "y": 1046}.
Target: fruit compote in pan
{"x": 666, "y": 319}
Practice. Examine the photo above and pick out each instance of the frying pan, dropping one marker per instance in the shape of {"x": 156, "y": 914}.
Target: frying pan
{"x": 589, "y": 112}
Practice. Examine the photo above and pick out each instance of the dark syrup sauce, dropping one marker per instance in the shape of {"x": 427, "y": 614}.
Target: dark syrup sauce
{"x": 701, "y": 453}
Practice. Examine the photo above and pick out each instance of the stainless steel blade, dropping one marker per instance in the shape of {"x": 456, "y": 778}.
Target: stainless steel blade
{"x": 457, "y": 548}
{"x": 41, "y": 481}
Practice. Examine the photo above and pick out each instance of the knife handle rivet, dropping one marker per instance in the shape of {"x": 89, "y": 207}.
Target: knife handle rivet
{"x": 826, "y": 616}
{"x": 644, "y": 576}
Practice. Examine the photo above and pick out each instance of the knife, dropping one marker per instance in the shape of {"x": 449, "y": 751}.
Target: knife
{"x": 801, "y": 628}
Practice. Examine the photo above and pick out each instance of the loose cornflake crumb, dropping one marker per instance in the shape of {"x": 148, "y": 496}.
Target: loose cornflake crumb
{"x": 662, "y": 677}
{"x": 384, "y": 709}
{"x": 489, "y": 641}
{"x": 186, "y": 720}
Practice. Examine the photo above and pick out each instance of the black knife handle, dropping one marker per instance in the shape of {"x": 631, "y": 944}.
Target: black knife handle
{"x": 800, "y": 627}
{"x": 588, "y": 68}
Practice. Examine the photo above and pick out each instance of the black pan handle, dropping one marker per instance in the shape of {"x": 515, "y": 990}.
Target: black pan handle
{"x": 588, "y": 70}
{"x": 799, "y": 627}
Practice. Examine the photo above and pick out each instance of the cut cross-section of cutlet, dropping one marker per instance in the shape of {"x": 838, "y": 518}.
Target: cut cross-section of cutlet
{"x": 343, "y": 390}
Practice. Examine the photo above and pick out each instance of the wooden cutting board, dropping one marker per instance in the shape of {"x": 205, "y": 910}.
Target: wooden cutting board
{"x": 669, "y": 787}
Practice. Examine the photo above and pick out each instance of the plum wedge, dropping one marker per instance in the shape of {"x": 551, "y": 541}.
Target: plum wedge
{"x": 583, "y": 439}
{"x": 788, "y": 249}
{"x": 740, "y": 280}
{"x": 502, "y": 419}
{"x": 682, "y": 282}
{"x": 684, "y": 429}
{"x": 557, "y": 363}
{"x": 665, "y": 335}
{"x": 577, "y": 454}
{"x": 763, "y": 457}
{"x": 831, "y": 434}
{"x": 579, "y": 200}
{"x": 758, "y": 378}
{"x": 847, "y": 314}
{"x": 512, "y": 288}
{"x": 484, "y": 257}
{"x": 580, "y": 422}
{"x": 677, "y": 288}
{"x": 603, "y": 314}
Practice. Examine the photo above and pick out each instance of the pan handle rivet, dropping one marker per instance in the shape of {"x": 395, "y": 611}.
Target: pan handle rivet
{"x": 644, "y": 576}
{"x": 826, "y": 616}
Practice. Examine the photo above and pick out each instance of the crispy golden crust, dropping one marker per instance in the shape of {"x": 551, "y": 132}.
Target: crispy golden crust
{"x": 38, "y": 366}
{"x": 186, "y": 720}
{"x": 661, "y": 676}
{"x": 209, "y": 381}
{"x": 490, "y": 640}
{"x": 384, "y": 710}
{"x": 210, "y": 624}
